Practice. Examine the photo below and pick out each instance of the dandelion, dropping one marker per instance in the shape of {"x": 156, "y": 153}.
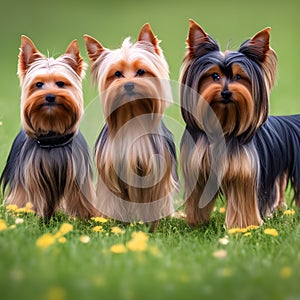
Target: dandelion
{"x": 220, "y": 254}
{"x": 237, "y": 230}
{"x": 138, "y": 242}
{"x": 118, "y": 248}
{"x": 56, "y": 293}
{"x": 222, "y": 210}
{"x": 99, "y": 219}
{"x": 247, "y": 234}
{"x": 225, "y": 272}
{"x": 45, "y": 241}
{"x": 285, "y": 272}
{"x": 98, "y": 229}
{"x": 65, "y": 228}
{"x": 27, "y": 209}
{"x": 289, "y": 212}
{"x": 84, "y": 239}
{"x": 117, "y": 230}
{"x": 252, "y": 227}
{"x": 3, "y": 225}
{"x": 62, "y": 240}
{"x": 154, "y": 251}
{"x": 99, "y": 281}
{"x": 271, "y": 231}
{"x": 11, "y": 207}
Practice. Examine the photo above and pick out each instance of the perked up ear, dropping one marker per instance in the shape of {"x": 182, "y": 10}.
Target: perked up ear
{"x": 258, "y": 49}
{"x": 199, "y": 43}
{"x": 93, "y": 47}
{"x": 74, "y": 59}
{"x": 28, "y": 54}
{"x": 146, "y": 35}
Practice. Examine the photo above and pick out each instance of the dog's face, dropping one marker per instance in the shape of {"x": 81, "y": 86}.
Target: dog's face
{"x": 52, "y": 100}
{"x": 233, "y": 85}
{"x": 132, "y": 80}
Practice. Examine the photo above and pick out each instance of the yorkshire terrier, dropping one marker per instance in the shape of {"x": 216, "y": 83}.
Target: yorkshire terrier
{"x": 49, "y": 163}
{"x": 259, "y": 153}
{"x": 135, "y": 153}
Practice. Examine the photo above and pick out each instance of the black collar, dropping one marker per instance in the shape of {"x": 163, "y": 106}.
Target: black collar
{"x": 53, "y": 140}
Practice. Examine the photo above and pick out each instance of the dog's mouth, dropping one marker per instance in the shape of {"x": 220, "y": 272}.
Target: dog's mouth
{"x": 222, "y": 102}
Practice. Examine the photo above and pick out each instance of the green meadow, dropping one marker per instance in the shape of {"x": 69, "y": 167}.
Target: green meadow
{"x": 100, "y": 259}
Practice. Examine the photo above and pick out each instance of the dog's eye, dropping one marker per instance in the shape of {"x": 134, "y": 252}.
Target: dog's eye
{"x": 215, "y": 76}
{"x": 237, "y": 77}
{"x": 140, "y": 72}
{"x": 60, "y": 84}
{"x": 39, "y": 84}
{"x": 118, "y": 74}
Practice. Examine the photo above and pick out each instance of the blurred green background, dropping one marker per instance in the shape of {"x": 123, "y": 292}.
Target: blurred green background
{"x": 53, "y": 24}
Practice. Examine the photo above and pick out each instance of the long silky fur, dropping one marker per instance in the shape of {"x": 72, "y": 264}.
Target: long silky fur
{"x": 133, "y": 158}
{"x": 277, "y": 143}
{"x": 135, "y": 153}
{"x": 51, "y": 179}
{"x": 261, "y": 151}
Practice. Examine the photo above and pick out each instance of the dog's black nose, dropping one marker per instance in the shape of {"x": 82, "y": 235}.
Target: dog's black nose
{"x": 129, "y": 86}
{"x": 50, "y": 98}
{"x": 226, "y": 94}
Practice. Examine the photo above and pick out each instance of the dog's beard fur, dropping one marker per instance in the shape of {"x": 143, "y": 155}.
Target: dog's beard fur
{"x": 120, "y": 106}
{"x": 58, "y": 176}
{"x": 135, "y": 153}
{"x": 230, "y": 90}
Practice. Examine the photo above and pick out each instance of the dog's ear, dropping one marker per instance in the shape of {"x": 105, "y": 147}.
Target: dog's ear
{"x": 93, "y": 47}
{"x": 146, "y": 35}
{"x": 27, "y": 55}
{"x": 198, "y": 42}
{"x": 74, "y": 58}
{"x": 258, "y": 49}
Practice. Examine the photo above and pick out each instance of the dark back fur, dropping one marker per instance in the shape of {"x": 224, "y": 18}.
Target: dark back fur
{"x": 53, "y": 170}
{"x": 278, "y": 145}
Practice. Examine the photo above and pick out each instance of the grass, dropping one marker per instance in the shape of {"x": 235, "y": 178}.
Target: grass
{"x": 175, "y": 262}
{"x": 178, "y": 262}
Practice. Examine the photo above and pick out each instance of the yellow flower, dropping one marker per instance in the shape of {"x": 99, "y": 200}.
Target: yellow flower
{"x": 252, "y": 227}
{"x": 3, "y": 225}
{"x": 56, "y": 293}
{"x": 65, "y": 228}
{"x": 45, "y": 240}
{"x": 271, "y": 231}
{"x": 247, "y": 234}
{"x": 84, "y": 239}
{"x": 237, "y": 230}
{"x": 62, "y": 240}
{"x": 1, "y": 123}
{"x": 222, "y": 210}
{"x": 27, "y": 209}
{"x": 117, "y": 230}
{"x": 138, "y": 242}
{"x": 12, "y": 207}
{"x": 285, "y": 272}
{"x": 100, "y": 219}
{"x": 289, "y": 212}
{"x": 154, "y": 251}
{"x": 98, "y": 229}
{"x": 118, "y": 248}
